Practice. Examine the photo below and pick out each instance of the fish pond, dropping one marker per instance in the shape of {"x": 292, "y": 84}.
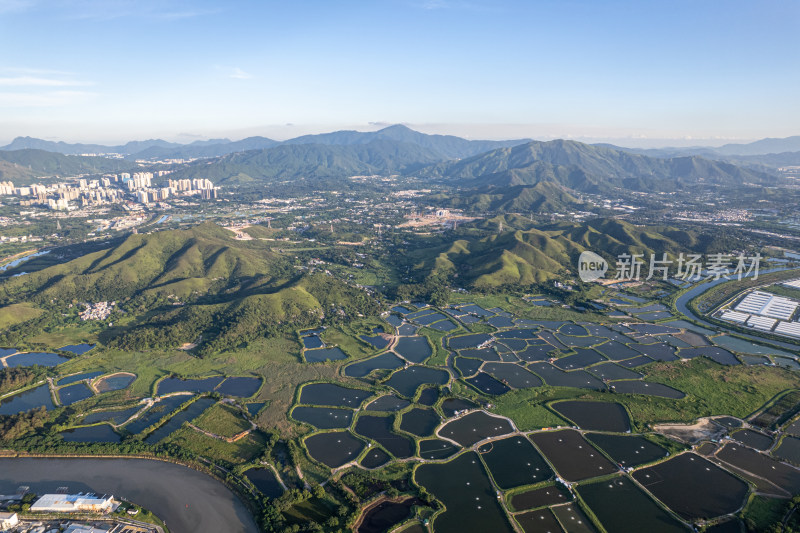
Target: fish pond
{"x": 335, "y": 448}
{"x": 469, "y": 499}
{"x": 114, "y": 382}
{"x": 173, "y": 384}
{"x": 375, "y": 458}
{"x": 571, "y": 455}
{"x": 240, "y": 387}
{"x": 532, "y": 499}
{"x": 597, "y": 416}
{"x": 27, "y": 400}
{"x": 74, "y": 378}
{"x": 321, "y": 355}
{"x": 627, "y": 450}
{"x": 35, "y": 358}
{"x": 621, "y": 507}
{"x": 265, "y": 481}
{"x": 388, "y": 403}
{"x": 77, "y": 349}
{"x": 475, "y": 427}
{"x": 386, "y": 360}
{"x": 323, "y": 417}
{"x": 155, "y": 414}
{"x": 414, "y": 349}
{"x": 408, "y": 380}
{"x": 74, "y": 393}
{"x": 382, "y": 517}
{"x": 694, "y": 487}
{"x": 194, "y": 410}
{"x": 115, "y": 416}
{"x": 98, "y": 433}
{"x": 434, "y": 449}
{"x": 514, "y": 462}
{"x": 419, "y": 422}
{"x": 380, "y": 429}
{"x": 332, "y": 395}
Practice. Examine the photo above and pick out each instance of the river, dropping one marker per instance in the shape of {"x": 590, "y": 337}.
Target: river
{"x": 187, "y": 500}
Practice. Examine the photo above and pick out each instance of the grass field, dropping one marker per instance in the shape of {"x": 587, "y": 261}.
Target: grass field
{"x": 231, "y": 453}
{"x": 761, "y": 512}
{"x": 222, "y": 419}
{"x": 17, "y": 313}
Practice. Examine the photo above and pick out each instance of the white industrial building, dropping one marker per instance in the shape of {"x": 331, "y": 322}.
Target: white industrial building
{"x": 8, "y": 520}
{"x": 788, "y": 328}
{"x": 73, "y": 503}
{"x": 769, "y": 305}
{"x": 761, "y": 322}
{"x": 795, "y": 283}
{"x": 734, "y": 316}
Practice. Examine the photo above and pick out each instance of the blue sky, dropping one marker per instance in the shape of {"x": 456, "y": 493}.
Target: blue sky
{"x": 639, "y": 72}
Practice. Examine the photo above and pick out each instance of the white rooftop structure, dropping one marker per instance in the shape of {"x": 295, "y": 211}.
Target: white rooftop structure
{"x": 754, "y": 302}
{"x": 82, "y": 528}
{"x": 761, "y": 322}
{"x": 72, "y": 503}
{"x": 788, "y": 328}
{"x": 769, "y": 305}
{"x": 734, "y": 316}
{"x": 795, "y": 283}
{"x": 8, "y": 520}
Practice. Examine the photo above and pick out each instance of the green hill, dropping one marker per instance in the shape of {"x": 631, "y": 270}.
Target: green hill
{"x": 589, "y": 168}
{"x": 444, "y": 146}
{"x": 523, "y": 255}
{"x": 23, "y": 167}
{"x": 177, "y": 285}
{"x": 301, "y": 161}
{"x": 544, "y": 197}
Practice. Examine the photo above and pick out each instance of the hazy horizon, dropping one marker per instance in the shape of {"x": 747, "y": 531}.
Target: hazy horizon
{"x": 467, "y": 131}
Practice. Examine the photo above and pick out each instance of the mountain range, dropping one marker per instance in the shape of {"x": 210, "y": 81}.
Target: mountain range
{"x": 445, "y": 146}
{"x": 519, "y": 253}
{"x": 522, "y": 175}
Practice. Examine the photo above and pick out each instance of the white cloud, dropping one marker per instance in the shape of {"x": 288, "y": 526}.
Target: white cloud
{"x": 239, "y": 74}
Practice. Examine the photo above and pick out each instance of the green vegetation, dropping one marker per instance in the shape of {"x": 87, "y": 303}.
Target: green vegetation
{"x": 23, "y": 167}
{"x": 711, "y": 389}
{"x": 17, "y": 313}
{"x": 766, "y": 514}
{"x": 590, "y": 168}
{"x": 14, "y": 426}
{"x": 223, "y": 420}
{"x": 226, "y": 454}
{"x": 508, "y": 253}
{"x": 16, "y": 378}
{"x": 176, "y": 287}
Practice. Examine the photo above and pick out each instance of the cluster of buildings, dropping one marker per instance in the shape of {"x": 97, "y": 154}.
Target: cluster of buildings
{"x": 82, "y": 504}
{"x": 109, "y": 189}
{"x": 203, "y": 187}
{"x": 97, "y": 311}
{"x": 766, "y": 312}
